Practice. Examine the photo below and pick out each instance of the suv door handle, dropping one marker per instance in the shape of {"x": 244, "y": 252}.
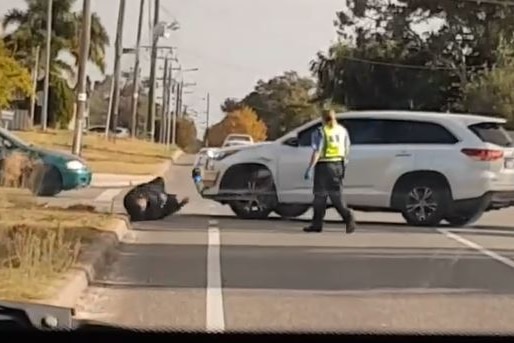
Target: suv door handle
{"x": 403, "y": 154}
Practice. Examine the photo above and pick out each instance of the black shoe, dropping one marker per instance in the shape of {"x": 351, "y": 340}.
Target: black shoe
{"x": 311, "y": 229}
{"x": 351, "y": 226}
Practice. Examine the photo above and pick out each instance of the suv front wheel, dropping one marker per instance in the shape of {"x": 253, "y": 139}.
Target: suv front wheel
{"x": 260, "y": 194}
{"x": 424, "y": 202}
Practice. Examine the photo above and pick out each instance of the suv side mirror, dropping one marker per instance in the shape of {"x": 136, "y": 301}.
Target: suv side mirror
{"x": 292, "y": 141}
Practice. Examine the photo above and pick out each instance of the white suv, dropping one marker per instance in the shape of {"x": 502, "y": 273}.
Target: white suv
{"x": 427, "y": 166}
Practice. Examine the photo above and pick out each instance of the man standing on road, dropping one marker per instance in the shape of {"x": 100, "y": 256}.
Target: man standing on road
{"x": 331, "y": 145}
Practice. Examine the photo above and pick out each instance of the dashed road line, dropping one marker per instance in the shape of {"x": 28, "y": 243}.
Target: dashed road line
{"x": 215, "y": 316}
{"x": 470, "y": 244}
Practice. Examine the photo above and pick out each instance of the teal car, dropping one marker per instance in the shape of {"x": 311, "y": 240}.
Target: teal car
{"x": 55, "y": 172}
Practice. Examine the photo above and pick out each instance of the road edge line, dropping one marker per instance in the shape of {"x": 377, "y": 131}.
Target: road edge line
{"x": 108, "y": 195}
{"x": 473, "y": 245}
{"x": 215, "y": 316}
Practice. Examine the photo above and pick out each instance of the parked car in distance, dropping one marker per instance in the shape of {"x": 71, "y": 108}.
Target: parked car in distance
{"x": 55, "y": 172}
{"x": 237, "y": 137}
{"x": 235, "y": 142}
{"x": 121, "y": 132}
{"x": 427, "y": 166}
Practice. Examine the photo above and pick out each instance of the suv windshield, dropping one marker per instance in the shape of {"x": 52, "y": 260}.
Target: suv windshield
{"x": 492, "y": 133}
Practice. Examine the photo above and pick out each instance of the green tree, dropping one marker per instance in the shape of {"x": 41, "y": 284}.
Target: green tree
{"x": 384, "y": 60}
{"x": 14, "y": 79}
{"x": 490, "y": 92}
{"x": 282, "y": 103}
{"x": 30, "y": 32}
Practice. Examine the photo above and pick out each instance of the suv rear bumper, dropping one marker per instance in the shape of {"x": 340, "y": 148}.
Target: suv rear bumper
{"x": 493, "y": 200}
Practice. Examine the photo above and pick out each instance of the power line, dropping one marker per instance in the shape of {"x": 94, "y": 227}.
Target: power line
{"x": 490, "y": 2}
{"x": 402, "y": 65}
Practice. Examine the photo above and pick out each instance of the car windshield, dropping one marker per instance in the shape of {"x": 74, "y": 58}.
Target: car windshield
{"x": 399, "y": 219}
{"x": 15, "y": 140}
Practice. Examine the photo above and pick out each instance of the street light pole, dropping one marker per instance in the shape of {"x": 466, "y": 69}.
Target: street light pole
{"x": 208, "y": 100}
{"x": 162, "y": 128}
{"x": 150, "y": 123}
{"x": 82, "y": 82}
{"x": 35, "y": 75}
{"x": 117, "y": 68}
{"x": 44, "y": 112}
{"x": 135, "y": 82}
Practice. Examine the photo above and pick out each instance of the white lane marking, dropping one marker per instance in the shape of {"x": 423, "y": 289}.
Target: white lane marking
{"x": 215, "y": 320}
{"x": 478, "y": 247}
{"x": 108, "y": 195}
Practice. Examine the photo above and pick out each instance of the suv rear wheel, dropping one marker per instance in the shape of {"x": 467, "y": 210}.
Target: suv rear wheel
{"x": 463, "y": 219}
{"x": 424, "y": 202}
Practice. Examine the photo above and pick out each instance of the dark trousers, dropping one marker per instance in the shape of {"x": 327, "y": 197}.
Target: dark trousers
{"x": 328, "y": 182}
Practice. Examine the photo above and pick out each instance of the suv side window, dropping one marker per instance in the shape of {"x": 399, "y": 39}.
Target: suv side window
{"x": 416, "y": 132}
{"x": 304, "y": 137}
{"x": 364, "y": 130}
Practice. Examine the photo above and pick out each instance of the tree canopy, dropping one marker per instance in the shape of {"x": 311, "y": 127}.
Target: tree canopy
{"x": 388, "y": 58}
{"x": 282, "y": 103}
{"x": 14, "y": 79}
{"x": 30, "y": 32}
{"x": 243, "y": 120}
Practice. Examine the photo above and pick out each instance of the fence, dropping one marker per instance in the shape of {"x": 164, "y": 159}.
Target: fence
{"x": 16, "y": 120}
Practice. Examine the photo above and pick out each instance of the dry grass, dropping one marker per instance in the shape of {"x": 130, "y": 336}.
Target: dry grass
{"x": 39, "y": 244}
{"x": 131, "y": 156}
{"x": 16, "y": 170}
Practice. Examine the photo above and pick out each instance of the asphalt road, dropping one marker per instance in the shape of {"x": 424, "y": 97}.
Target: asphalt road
{"x": 205, "y": 269}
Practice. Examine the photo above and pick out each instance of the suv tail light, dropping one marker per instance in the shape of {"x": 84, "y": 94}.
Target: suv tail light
{"x": 483, "y": 154}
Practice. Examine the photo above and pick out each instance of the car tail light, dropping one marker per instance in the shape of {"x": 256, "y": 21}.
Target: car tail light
{"x": 483, "y": 154}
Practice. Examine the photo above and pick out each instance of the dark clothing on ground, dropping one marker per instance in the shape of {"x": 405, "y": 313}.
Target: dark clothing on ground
{"x": 149, "y": 201}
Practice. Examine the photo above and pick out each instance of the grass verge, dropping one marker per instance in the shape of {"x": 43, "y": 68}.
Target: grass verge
{"x": 131, "y": 156}
{"x": 38, "y": 244}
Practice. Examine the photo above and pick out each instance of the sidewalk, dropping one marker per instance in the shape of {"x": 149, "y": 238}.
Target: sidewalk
{"x": 103, "y": 180}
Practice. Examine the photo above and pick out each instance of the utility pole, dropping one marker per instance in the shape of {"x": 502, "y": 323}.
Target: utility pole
{"x": 168, "y": 104}
{"x": 135, "y": 80}
{"x": 117, "y": 67}
{"x": 175, "y": 113}
{"x": 35, "y": 74}
{"x": 150, "y": 123}
{"x": 44, "y": 112}
{"x": 208, "y": 100}
{"x": 164, "y": 102}
{"x": 82, "y": 78}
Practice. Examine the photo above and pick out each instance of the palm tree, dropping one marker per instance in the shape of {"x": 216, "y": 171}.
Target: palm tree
{"x": 66, "y": 25}
{"x": 30, "y": 32}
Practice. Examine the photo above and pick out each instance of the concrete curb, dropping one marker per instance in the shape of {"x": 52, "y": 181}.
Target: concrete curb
{"x": 90, "y": 263}
{"x": 163, "y": 169}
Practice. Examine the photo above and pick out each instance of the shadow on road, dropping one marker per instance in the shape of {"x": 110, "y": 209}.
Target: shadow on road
{"x": 184, "y": 222}
{"x": 309, "y": 268}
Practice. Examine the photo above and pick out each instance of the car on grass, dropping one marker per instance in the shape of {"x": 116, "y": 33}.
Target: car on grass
{"x": 427, "y": 166}
{"x": 54, "y": 172}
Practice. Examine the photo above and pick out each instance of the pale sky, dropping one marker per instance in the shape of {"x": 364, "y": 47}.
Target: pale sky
{"x": 234, "y": 43}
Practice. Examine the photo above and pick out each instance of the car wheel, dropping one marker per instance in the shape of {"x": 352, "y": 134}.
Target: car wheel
{"x": 46, "y": 181}
{"x": 291, "y": 210}
{"x": 424, "y": 203}
{"x": 263, "y": 198}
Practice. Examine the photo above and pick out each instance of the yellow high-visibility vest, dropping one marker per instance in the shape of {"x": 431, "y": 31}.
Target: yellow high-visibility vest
{"x": 333, "y": 143}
